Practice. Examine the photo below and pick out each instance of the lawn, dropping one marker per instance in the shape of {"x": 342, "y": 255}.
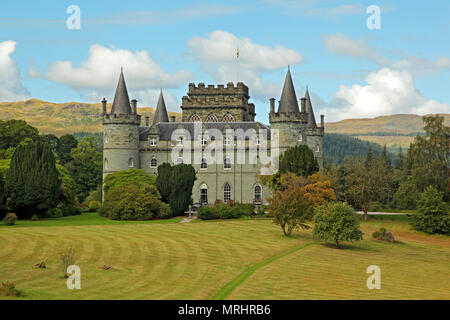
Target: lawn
{"x": 240, "y": 259}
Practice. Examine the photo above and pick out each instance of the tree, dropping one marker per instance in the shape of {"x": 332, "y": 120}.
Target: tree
{"x": 406, "y": 195}
{"x": 400, "y": 160}
{"x": 290, "y": 209}
{"x": 67, "y": 194}
{"x": 52, "y": 141}
{"x": 299, "y": 160}
{"x": 65, "y": 145}
{"x": 134, "y": 201}
{"x": 336, "y": 222}
{"x": 366, "y": 181}
{"x": 32, "y": 184}
{"x": 12, "y": 132}
{"x": 2, "y": 192}
{"x": 428, "y": 158}
{"x": 86, "y": 167}
{"x": 163, "y": 181}
{"x": 433, "y": 216}
{"x": 182, "y": 181}
{"x": 120, "y": 178}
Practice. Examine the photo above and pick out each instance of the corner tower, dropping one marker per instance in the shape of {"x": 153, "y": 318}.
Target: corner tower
{"x": 295, "y": 126}
{"x": 120, "y": 132}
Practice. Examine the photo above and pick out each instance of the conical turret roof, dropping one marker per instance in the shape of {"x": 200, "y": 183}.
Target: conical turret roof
{"x": 161, "y": 111}
{"x": 121, "y": 104}
{"x": 288, "y": 101}
{"x": 309, "y": 110}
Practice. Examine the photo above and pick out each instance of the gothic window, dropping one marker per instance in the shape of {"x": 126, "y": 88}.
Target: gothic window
{"x": 204, "y": 164}
{"x": 226, "y": 192}
{"x": 106, "y": 138}
{"x": 257, "y": 141}
{"x": 203, "y": 194}
{"x": 227, "y": 163}
{"x": 131, "y": 163}
{"x": 153, "y": 163}
{"x": 195, "y": 118}
{"x": 228, "y": 118}
{"x": 317, "y": 148}
{"x": 257, "y": 192}
{"x": 106, "y": 164}
{"x": 212, "y": 118}
{"x": 300, "y": 137}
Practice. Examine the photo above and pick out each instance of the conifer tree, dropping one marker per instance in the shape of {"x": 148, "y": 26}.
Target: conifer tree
{"x": 299, "y": 160}
{"x": 32, "y": 184}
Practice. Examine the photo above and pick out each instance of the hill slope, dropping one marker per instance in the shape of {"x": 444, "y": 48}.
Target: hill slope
{"x": 61, "y": 118}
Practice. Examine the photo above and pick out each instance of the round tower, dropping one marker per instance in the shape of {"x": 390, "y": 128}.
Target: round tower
{"x": 120, "y": 132}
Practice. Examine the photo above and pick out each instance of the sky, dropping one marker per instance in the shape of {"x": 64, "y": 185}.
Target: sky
{"x": 356, "y": 63}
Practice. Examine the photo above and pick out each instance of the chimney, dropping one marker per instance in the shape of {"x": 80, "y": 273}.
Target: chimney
{"x": 104, "y": 106}
{"x": 172, "y": 118}
{"x": 134, "y": 106}
{"x": 147, "y": 121}
{"x": 303, "y": 104}
{"x": 322, "y": 121}
{"x": 272, "y": 105}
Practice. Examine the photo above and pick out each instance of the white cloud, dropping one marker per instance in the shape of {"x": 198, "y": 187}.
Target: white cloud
{"x": 97, "y": 76}
{"x": 386, "y": 92}
{"x": 216, "y": 53}
{"x": 11, "y": 88}
{"x": 360, "y": 49}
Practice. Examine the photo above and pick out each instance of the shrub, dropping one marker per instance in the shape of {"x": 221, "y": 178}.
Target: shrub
{"x": 134, "y": 201}
{"x": 336, "y": 222}
{"x": 8, "y": 288}
{"x": 207, "y": 213}
{"x": 261, "y": 210}
{"x": 94, "y": 205}
{"x": 34, "y": 218}
{"x": 374, "y": 206}
{"x": 120, "y": 178}
{"x": 383, "y": 235}
{"x": 67, "y": 258}
{"x": 433, "y": 216}
{"x": 10, "y": 219}
{"x": 70, "y": 210}
{"x": 54, "y": 213}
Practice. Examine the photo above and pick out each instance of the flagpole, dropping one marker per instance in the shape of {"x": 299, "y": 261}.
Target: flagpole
{"x": 237, "y": 64}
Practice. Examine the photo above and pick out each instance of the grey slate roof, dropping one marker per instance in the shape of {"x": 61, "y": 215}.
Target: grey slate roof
{"x": 167, "y": 128}
{"x": 309, "y": 109}
{"x": 121, "y": 104}
{"x": 161, "y": 111}
{"x": 288, "y": 101}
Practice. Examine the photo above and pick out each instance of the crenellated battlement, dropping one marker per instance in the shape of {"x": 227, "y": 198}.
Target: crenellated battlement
{"x": 301, "y": 117}
{"x": 230, "y": 89}
{"x": 109, "y": 118}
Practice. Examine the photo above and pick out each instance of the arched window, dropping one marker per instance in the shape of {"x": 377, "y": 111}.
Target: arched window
{"x": 257, "y": 193}
{"x": 131, "y": 163}
{"x": 204, "y": 194}
{"x": 227, "y": 163}
{"x": 212, "y": 118}
{"x": 195, "y": 118}
{"x": 153, "y": 163}
{"x": 226, "y": 192}
{"x": 228, "y": 117}
{"x": 317, "y": 148}
{"x": 300, "y": 137}
{"x": 106, "y": 164}
{"x": 180, "y": 161}
{"x": 204, "y": 164}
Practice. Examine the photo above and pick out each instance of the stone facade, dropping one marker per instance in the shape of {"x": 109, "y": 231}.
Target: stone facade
{"x": 208, "y": 109}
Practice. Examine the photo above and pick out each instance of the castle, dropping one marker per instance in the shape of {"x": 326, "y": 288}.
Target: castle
{"x": 209, "y": 111}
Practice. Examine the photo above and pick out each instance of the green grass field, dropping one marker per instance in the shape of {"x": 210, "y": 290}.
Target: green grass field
{"x": 240, "y": 259}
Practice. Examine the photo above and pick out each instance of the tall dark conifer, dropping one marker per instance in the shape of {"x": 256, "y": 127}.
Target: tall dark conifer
{"x": 32, "y": 184}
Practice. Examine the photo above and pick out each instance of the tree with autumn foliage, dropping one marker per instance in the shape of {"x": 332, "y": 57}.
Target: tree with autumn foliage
{"x": 290, "y": 209}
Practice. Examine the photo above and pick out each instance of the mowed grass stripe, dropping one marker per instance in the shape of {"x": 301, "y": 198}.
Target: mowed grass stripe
{"x": 228, "y": 289}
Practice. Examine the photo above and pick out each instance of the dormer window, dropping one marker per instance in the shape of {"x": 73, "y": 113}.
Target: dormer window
{"x": 153, "y": 142}
{"x": 180, "y": 141}
{"x": 257, "y": 141}
{"x": 227, "y": 141}
{"x": 204, "y": 140}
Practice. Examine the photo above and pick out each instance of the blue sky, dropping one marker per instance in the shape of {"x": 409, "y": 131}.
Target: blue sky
{"x": 351, "y": 71}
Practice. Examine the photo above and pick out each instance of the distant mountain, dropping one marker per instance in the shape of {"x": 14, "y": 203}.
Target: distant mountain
{"x": 394, "y": 131}
{"x": 61, "y": 118}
